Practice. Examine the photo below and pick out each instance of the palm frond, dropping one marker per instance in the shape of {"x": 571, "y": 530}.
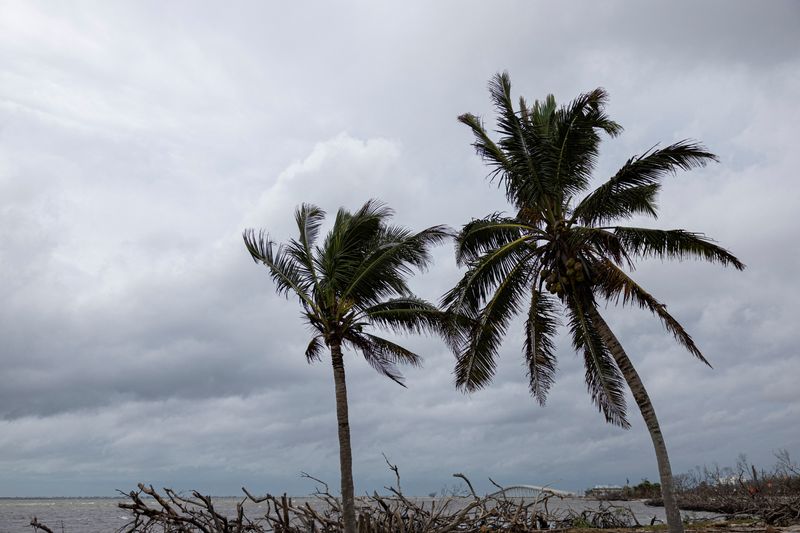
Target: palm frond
{"x": 485, "y": 274}
{"x": 576, "y": 140}
{"x": 285, "y": 271}
{"x": 486, "y": 148}
{"x": 604, "y": 381}
{"x": 383, "y": 355}
{"x": 386, "y": 266}
{"x": 314, "y": 349}
{"x": 599, "y": 242}
{"x": 633, "y": 188}
{"x": 674, "y": 244}
{"x": 405, "y": 315}
{"x": 345, "y": 246}
{"x": 309, "y": 219}
{"x": 539, "y": 351}
{"x": 624, "y": 202}
{"x": 614, "y": 284}
{"x": 475, "y": 363}
{"x": 513, "y": 158}
{"x": 484, "y": 234}
{"x": 525, "y": 184}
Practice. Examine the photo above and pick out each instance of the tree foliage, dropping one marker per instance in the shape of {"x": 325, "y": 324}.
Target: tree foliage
{"x": 565, "y": 249}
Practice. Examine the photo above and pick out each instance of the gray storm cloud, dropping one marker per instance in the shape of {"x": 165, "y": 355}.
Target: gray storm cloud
{"x": 139, "y": 342}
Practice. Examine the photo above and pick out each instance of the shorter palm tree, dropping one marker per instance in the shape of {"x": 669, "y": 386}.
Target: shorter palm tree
{"x": 356, "y": 279}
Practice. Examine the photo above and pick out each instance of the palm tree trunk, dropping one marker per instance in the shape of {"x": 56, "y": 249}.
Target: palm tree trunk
{"x": 345, "y": 455}
{"x": 648, "y": 413}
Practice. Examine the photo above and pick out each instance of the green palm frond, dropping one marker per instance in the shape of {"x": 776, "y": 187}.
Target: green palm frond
{"x": 598, "y": 242}
{"x": 603, "y": 206}
{"x": 482, "y": 235}
{"x": 405, "y": 315}
{"x": 475, "y": 363}
{"x": 386, "y": 267}
{"x": 539, "y": 351}
{"x": 674, "y": 244}
{"x": 604, "y": 381}
{"x": 314, "y": 349}
{"x": 522, "y": 145}
{"x": 345, "y": 246}
{"x": 285, "y": 271}
{"x": 394, "y": 353}
{"x": 308, "y": 219}
{"x": 542, "y": 116}
{"x": 513, "y": 160}
{"x": 614, "y": 284}
{"x": 485, "y": 274}
{"x": 486, "y": 148}
{"x": 576, "y": 141}
{"x": 383, "y": 355}
{"x": 632, "y": 190}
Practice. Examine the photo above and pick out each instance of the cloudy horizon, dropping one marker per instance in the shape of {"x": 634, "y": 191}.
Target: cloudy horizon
{"x": 139, "y": 341}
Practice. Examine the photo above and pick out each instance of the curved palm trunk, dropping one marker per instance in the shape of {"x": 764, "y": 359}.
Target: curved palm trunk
{"x": 648, "y": 413}
{"x": 345, "y": 455}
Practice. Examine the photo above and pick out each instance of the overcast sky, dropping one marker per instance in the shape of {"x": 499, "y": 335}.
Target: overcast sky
{"x": 139, "y": 342}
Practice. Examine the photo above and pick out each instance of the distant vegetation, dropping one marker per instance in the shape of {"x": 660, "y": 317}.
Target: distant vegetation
{"x": 644, "y": 490}
{"x": 771, "y": 495}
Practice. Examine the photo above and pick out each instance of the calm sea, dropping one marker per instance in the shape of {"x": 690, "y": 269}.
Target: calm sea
{"x": 102, "y": 515}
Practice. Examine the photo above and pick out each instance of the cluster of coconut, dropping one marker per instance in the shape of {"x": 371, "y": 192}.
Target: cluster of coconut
{"x": 556, "y": 281}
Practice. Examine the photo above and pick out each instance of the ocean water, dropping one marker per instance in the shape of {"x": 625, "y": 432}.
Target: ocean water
{"x": 86, "y": 515}
{"x": 102, "y": 515}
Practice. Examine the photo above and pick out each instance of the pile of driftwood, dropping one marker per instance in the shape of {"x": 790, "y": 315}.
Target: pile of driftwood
{"x": 169, "y": 512}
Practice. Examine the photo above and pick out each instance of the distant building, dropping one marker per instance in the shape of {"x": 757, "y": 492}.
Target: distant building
{"x": 605, "y": 492}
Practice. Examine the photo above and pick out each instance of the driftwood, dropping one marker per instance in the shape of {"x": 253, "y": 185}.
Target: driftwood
{"x": 168, "y": 512}
{"x": 171, "y": 512}
{"x": 38, "y": 526}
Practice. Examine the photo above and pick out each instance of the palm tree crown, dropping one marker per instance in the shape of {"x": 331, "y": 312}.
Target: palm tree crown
{"x": 564, "y": 248}
{"x": 356, "y": 278}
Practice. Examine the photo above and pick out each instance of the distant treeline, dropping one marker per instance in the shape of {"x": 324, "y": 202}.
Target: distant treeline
{"x": 772, "y": 495}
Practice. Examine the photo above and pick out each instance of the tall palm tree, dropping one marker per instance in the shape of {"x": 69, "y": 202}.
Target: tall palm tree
{"x": 564, "y": 250}
{"x": 356, "y": 279}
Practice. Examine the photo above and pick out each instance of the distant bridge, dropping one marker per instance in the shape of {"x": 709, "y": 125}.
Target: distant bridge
{"x": 529, "y": 491}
